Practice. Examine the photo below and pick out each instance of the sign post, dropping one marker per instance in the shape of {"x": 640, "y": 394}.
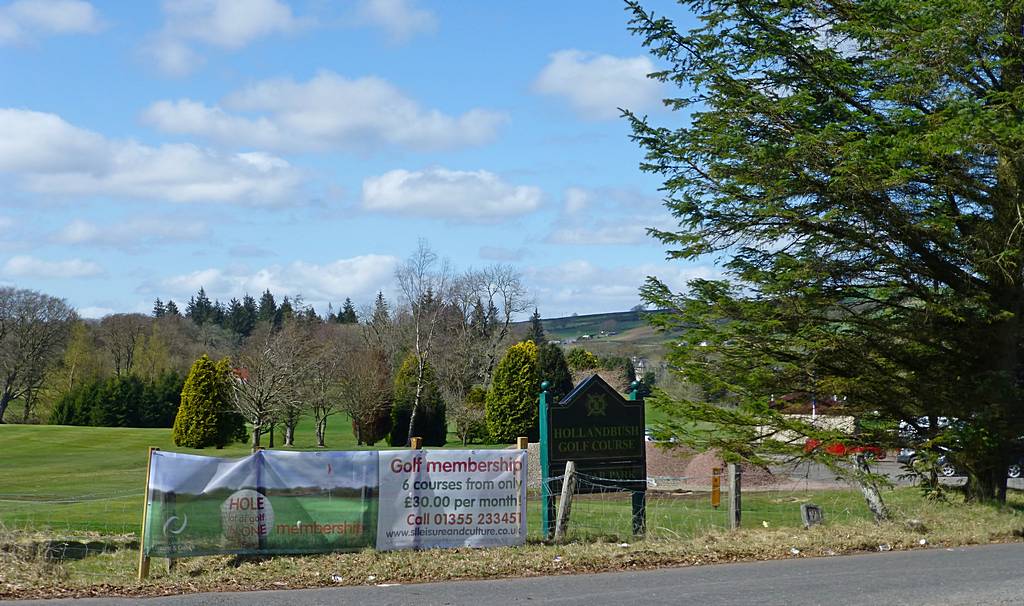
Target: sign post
{"x": 547, "y": 500}
{"x": 603, "y": 434}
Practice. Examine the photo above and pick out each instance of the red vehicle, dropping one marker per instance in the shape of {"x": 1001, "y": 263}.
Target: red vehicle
{"x": 841, "y": 450}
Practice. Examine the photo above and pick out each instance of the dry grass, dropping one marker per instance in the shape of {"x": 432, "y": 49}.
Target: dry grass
{"x": 25, "y": 573}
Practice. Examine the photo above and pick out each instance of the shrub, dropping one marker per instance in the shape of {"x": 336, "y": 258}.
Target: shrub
{"x": 580, "y": 359}
{"x": 512, "y": 401}
{"x": 205, "y": 416}
{"x": 431, "y": 424}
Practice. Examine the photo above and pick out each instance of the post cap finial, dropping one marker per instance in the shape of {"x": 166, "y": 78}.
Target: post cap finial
{"x": 635, "y": 385}
{"x": 544, "y": 385}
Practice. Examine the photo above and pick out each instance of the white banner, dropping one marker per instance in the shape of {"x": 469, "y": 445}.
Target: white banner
{"x": 466, "y": 498}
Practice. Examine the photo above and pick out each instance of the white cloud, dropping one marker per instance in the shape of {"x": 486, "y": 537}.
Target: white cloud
{"x": 631, "y": 233}
{"x": 448, "y": 194}
{"x": 358, "y": 277}
{"x": 54, "y": 157}
{"x": 94, "y": 312}
{"x": 326, "y": 112}
{"x": 400, "y": 18}
{"x": 576, "y": 200}
{"x": 596, "y": 86}
{"x": 173, "y": 57}
{"x": 580, "y": 286}
{"x": 23, "y": 20}
{"x": 30, "y": 267}
{"x": 131, "y": 233}
{"x": 607, "y": 216}
{"x": 228, "y": 24}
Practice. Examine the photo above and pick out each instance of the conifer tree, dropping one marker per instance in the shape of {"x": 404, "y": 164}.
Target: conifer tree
{"x": 553, "y": 368}
{"x": 512, "y": 400}
{"x": 347, "y": 315}
{"x": 205, "y": 416}
{"x": 536, "y": 329}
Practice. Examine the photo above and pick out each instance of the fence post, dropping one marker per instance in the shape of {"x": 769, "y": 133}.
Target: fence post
{"x": 143, "y": 558}
{"x": 565, "y": 501}
{"x": 735, "y": 489}
{"x": 416, "y": 443}
{"x": 522, "y": 442}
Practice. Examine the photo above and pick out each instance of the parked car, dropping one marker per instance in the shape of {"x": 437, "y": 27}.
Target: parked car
{"x": 841, "y": 450}
{"x": 907, "y": 456}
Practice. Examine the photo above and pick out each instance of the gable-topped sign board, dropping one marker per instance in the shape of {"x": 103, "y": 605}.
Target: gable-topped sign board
{"x": 602, "y": 432}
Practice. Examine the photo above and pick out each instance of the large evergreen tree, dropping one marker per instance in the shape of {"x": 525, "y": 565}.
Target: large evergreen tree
{"x": 512, "y": 400}
{"x": 553, "y": 368}
{"x": 347, "y": 315}
{"x": 859, "y": 167}
{"x": 268, "y": 307}
{"x": 536, "y": 333}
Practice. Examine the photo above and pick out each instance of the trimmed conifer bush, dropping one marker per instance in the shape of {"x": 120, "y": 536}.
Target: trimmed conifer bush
{"x": 512, "y": 400}
{"x": 205, "y": 416}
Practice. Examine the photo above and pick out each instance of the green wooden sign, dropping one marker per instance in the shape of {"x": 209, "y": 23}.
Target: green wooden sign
{"x": 603, "y": 434}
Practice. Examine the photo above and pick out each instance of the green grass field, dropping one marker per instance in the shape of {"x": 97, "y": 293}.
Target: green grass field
{"x": 68, "y": 480}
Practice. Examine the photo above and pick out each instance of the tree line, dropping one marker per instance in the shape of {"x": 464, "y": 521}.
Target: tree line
{"x": 443, "y": 354}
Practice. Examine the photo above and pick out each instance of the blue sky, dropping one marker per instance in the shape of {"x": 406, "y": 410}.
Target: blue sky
{"x": 150, "y": 148}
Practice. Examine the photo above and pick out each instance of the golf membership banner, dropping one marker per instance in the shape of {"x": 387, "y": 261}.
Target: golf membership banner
{"x": 452, "y": 498}
{"x": 275, "y": 502}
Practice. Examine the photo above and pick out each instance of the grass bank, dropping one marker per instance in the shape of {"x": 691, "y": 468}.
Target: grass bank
{"x": 24, "y": 574}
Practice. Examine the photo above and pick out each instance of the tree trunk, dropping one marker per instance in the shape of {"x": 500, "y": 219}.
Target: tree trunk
{"x": 289, "y": 434}
{"x": 256, "y": 431}
{"x": 5, "y": 400}
{"x": 987, "y": 485}
{"x": 870, "y": 490}
{"x": 321, "y": 429}
{"x": 416, "y": 400}
{"x": 272, "y": 434}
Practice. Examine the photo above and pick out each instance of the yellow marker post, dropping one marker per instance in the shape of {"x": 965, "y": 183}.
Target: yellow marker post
{"x": 716, "y": 487}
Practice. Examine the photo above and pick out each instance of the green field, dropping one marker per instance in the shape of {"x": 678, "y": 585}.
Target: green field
{"x": 68, "y": 480}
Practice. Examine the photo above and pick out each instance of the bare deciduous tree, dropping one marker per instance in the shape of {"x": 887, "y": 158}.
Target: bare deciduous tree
{"x": 33, "y": 330}
{"x": 121, "y": 335}
{"x": 424, "y": 281}
{"x": 270, "y": 370}
{"x": 501, "y": 287}
{"x": 477, "y": 323}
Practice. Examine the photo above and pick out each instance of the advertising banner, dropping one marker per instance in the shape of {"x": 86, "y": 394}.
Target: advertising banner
{"x": 275, "y": 502}
{"x": 451, "y": 498}
{"x": 266, "y": 503}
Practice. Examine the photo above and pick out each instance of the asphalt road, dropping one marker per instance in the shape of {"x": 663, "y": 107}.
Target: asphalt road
{"x": 989, "y": 575}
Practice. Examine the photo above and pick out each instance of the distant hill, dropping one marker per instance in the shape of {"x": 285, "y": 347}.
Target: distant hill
{"x": 618, "y": 333}
{"x": 575, "y": 327}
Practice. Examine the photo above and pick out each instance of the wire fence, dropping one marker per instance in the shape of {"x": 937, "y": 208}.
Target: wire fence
{"x": 683, "y": 507}
{"x": 676, "y": 507}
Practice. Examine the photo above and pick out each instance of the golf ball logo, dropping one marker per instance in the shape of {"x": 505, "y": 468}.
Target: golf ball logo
{"x": 246, "y": 517}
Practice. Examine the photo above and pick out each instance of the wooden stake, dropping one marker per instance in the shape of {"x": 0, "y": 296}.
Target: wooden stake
{"x": 416, "y": 443}
{"x": 143, "y": 558}
{"x": 522, "y": 443}
{"x": 735, "y": 510}
{"x": 565, "y": 502}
